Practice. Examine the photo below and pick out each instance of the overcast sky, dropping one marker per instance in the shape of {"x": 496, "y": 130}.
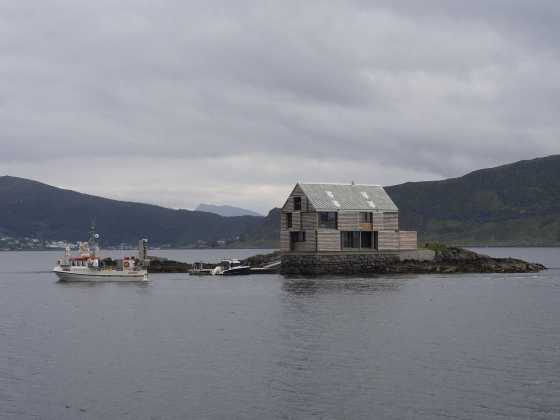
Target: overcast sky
{"x": 232, "y": 102}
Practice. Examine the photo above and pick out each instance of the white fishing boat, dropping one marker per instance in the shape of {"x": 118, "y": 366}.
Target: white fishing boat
{"x": 88, "y": 266}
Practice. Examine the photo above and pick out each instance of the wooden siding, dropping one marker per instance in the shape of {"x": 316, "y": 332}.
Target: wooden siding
{"x": 388, "y": 239}
{"x": 348, "y": 220}
{"x": 390, "y": 221}
{"x": 310, "y": 244}
{"x": 328, "y": 240}
{"x": 408, "y": 239}
{"x": 297, "y": 192}
{"x": 284, "y": 241}
{"x": 289, "y": 206}
{"x": 283, "y": 222}
{"x": 377, "y": 221}
{"x": 296, "y": 220}
{"x": 308, "y": 221}
{"x": 300, "y": 221}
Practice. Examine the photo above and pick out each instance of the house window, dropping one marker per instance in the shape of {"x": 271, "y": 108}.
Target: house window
{"x": 297, "y": 236}
{"x": 359, "y": 240}
{"x": 350, "y": 239}
{"x": 297, "y": 203}
{"x": 328, "y": 220}
{"x": 366, "y": 217}
{"x": 366, "y": 240}
{"x": 289, "y": 220}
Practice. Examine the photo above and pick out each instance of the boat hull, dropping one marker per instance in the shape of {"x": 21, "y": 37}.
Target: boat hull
{"x": 101, "y": 276}
{"x": 200, "y": 272}
{"x": 237, "y": 271}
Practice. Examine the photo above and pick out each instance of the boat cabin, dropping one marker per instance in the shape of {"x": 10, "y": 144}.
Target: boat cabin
{"x": 83, "y": 261}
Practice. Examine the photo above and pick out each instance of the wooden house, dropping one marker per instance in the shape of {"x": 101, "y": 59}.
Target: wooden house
{"x": 342, "y": 218}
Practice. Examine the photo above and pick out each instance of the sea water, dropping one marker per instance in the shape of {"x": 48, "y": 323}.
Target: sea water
{"x": 477, "y": 346}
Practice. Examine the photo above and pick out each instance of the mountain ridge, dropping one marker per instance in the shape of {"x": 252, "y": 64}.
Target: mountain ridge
{"x": 513, "y": 204}
{"x": 516, "y": 204}
{"x": 34, "y": 209}
{"x": 226, "y": 210}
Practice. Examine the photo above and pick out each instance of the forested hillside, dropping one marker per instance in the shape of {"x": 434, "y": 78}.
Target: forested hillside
{"x": 32, "y": 209}
{"x": 515, "y": 204}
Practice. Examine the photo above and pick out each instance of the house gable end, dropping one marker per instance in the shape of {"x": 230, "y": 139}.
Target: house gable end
{"x": 297, "y": 191}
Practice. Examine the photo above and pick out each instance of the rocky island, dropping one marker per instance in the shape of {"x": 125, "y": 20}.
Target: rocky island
{"x": 443, "y": 259}
{"x": 435, "y": 258}
{"x": 460, "y": 260}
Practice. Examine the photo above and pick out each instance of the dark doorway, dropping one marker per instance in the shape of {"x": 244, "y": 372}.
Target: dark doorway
{"x": 366, "y": 240}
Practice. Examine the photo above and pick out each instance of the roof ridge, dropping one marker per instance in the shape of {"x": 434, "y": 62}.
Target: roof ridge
{"x": 340, "y": 184}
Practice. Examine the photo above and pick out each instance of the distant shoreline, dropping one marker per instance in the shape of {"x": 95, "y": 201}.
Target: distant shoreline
{"x": 255, "y": 248}
{"x": 134, "y": 249}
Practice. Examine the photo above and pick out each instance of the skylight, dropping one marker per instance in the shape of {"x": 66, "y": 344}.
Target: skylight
{"x": 364, "y": 194}
{"x": 371, "y": 204}
{"x": 330, "y": 194}
{"x": 336, "y": 203}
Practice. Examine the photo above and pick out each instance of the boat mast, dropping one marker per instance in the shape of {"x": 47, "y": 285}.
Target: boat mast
{"x": 92, "y": 241}
{"x": 143, "y": 252}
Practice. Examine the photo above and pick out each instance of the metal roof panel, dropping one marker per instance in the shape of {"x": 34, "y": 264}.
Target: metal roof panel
{"x": 348, "y": 196}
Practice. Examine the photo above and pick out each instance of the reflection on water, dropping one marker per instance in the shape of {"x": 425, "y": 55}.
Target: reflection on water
{"x": 361, "y": 285}
{"x": 108, "y": 283}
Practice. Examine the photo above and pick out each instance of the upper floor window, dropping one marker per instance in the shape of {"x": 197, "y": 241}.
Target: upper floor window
{"x": 366, "y": 217}
{"x": 289, "y": 220}
{"x": 297, "y": 203}
{"x": 328, "y": 220}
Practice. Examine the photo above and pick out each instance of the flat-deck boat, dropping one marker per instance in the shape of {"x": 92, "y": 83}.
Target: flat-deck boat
{"x": 231, "y": 268}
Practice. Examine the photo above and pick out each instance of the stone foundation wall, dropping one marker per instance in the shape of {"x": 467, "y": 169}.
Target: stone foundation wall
{"x": 347, "y": 263}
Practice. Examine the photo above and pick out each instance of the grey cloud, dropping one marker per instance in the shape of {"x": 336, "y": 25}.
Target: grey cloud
{"x": 533, "y": 22}
{"x": 411, "y": 89}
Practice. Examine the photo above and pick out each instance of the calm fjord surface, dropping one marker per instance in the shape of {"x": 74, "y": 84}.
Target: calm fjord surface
{"x": 266, "y": 347}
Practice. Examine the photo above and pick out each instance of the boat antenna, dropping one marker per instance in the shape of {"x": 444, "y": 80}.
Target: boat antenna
{"x": 93, "y": 237}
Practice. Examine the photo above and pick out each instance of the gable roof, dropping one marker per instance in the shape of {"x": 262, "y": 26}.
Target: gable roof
{"x": 358, "y": 197}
